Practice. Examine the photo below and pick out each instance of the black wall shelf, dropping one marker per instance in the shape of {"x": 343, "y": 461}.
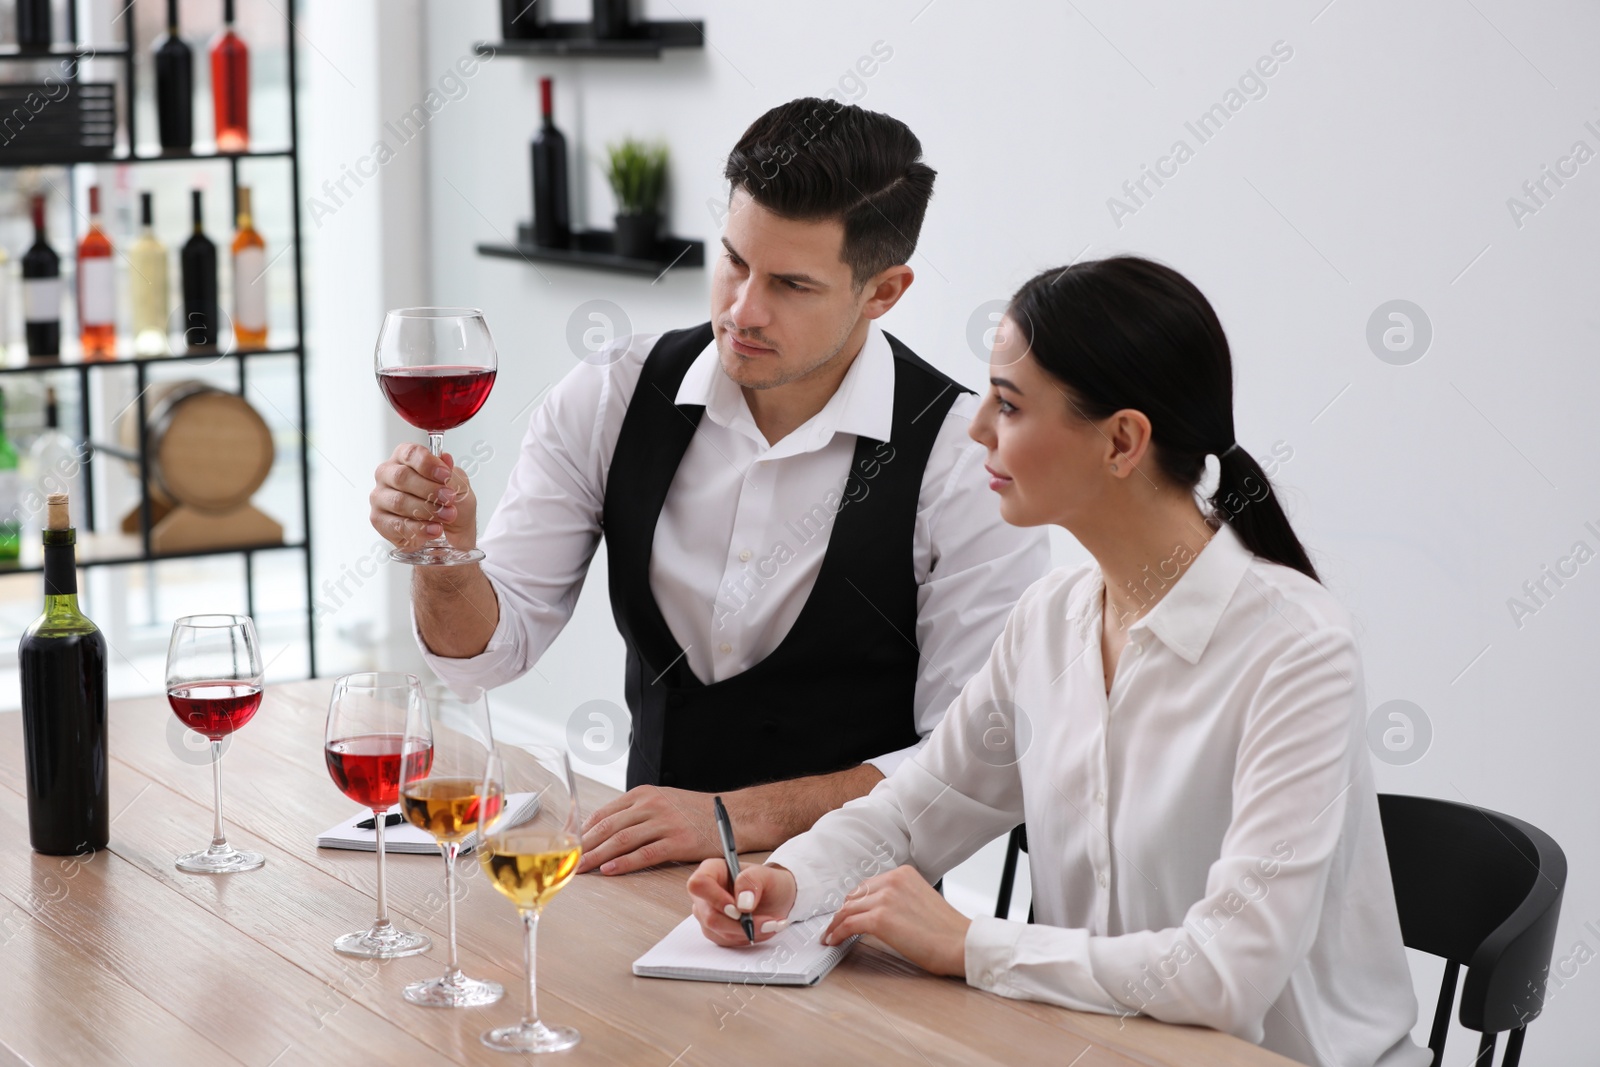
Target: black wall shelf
{"x": 577, "y": 39}
{"x": 593, "y": 249}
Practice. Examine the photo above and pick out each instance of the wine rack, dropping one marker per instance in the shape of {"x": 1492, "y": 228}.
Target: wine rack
{"x": 125, "y": 56}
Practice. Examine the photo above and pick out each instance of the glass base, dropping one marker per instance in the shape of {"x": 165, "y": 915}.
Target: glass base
{"x": 220, "y": 860}
{"x": 530, "y": 1037}
{"x": 385, "y": 942}
{"x": 437, "y": 556}
{"x": 454, "y": 991}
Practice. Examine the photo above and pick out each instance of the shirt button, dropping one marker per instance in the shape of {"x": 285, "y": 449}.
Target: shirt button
{"x": 1100, "y": 797}
{"x": 986, "y": 979}
{"x": 1103, "y": 880}
{"x": 744, "y": 557}
{"x": 724, "y": 647}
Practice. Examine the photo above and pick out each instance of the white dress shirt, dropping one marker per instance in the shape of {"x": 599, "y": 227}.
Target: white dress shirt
{"x": 745, "y": 525}
{"x": 1204, "y": 841}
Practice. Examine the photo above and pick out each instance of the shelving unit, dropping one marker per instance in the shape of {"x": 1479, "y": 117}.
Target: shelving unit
{"x": 105, "y": 550}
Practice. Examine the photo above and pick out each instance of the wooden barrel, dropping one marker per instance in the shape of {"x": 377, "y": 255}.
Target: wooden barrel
{"x": 208, "y": 448}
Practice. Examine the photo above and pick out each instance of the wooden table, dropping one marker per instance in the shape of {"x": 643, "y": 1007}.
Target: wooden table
{"x": 121, "y": 958}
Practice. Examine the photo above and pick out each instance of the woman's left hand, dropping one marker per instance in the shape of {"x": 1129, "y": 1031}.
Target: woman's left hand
{"x": 903, "y": 911}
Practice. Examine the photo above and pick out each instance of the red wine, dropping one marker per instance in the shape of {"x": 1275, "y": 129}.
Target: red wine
{"x": 215, "y": 709}
{"x": 436, "y": 399}
{"x": 552, "y": 226}
{"x": 41, "y": 291}
{"x": 174, "y": 64}
{"x": 367, "y": 769}
{"x": 63, "y": 661}
{"x": 230, "y": 86}
{"x": 199, "y": 261}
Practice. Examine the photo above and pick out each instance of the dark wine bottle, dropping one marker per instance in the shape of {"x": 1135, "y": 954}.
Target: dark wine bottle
{"x": 611, "y": 19}
{"x": 200, "y": 313}
{"x": 552, "y": 227}
{"x": 174, "y": 86}
{"x": 33, "y": 25}
{"x": 63, "y": 661}
{"x": 41, "y": 292}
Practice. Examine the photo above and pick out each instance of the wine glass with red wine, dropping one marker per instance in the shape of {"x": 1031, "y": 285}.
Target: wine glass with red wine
{"x": 214, "y": 686}
{"x": 363, "y": 743}
{"x": 436, "y": 367}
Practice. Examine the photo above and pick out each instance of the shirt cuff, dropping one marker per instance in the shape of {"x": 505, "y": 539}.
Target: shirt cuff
{"x": 991, "y": 947}
{"x": 815, "y": 893}
{"x": 887, "y": 762}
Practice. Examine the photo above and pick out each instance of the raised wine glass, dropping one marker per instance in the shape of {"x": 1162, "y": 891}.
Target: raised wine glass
{"x": 214, "y": 686}
{"x": 363, "y": 745}
{"x": 443, "y": 795}
{"x": 436, "y": 367}
{"x": 530, "y": 863}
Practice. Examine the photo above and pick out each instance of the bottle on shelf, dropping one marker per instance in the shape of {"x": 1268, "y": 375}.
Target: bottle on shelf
{"x": 97, "y": 294}
{"x": 200, "y": 312}
{"x": 552, "y": 227}
{"x": 33, "y": 25}
{"x": 6, "y": 300}
{"x": 230, "y": 86}
{"x": 41, "y": 293}
{"x": 249, "y": 280}
{"x": 63, "y": 660}
{"x": 10, "y": 493}
{"x": 54, "y": 462}
{"x": 147, "y": 278}
{"x": 174, "y": 64}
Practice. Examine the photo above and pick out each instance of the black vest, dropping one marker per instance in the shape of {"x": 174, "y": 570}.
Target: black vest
{"x": 840, "y": 687}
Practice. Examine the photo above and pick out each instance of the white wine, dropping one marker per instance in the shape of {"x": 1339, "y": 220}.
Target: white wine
{"x": 147, "y": 281}
{"x": 530, "y": 865}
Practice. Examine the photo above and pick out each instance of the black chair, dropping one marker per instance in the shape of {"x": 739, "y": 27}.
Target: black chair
{"x": 1017, "y": 844}
{"x": 1482, "y": 890}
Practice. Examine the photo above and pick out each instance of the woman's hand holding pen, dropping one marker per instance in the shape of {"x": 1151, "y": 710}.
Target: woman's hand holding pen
{"x": 903, "y": 911}
{"x": 770, "y": 897}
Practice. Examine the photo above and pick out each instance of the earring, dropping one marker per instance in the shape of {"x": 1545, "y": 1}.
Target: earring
{"x": 1113, "y": 466}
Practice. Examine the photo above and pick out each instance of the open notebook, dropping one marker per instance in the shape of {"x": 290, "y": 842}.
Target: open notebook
{"x": 794, "y": 957}
{"x": 402, "y": 837}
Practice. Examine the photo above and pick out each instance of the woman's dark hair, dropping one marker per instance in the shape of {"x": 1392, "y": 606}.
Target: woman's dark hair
{"x": 813, "y": 159}
{"x": 1125, "y": 332}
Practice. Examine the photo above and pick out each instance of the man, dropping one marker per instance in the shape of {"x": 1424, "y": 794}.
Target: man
{"x": 805, "y": 561}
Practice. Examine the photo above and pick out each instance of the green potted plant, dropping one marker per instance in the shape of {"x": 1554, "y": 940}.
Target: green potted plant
{"x": 638, "y": 175}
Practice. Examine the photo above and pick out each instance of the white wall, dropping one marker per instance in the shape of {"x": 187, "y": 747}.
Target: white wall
{"x": 1376, "y": 166}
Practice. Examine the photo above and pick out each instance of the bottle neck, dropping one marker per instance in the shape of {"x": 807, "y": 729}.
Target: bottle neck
{"x": 61, "y": 576}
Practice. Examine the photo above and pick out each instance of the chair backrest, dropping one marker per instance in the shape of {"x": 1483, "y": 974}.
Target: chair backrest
{"x": 1483, "y": 890}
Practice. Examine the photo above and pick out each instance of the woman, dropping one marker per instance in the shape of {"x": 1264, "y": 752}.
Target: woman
{"x": 1179, "y": 723}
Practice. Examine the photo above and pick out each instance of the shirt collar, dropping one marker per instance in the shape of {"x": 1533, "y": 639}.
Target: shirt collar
{"x": 863, "y": 404}
{"x": 1187, "y": 616}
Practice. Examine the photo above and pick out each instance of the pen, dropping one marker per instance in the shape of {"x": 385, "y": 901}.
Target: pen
{"x": 391, "y": 819}
{"x": 731, "y": 854}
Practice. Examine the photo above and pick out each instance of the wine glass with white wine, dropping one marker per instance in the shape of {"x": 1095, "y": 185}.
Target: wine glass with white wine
{"x": 530, "y": 862}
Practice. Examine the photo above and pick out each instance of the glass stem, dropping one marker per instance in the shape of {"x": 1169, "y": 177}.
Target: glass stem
{"x": 378, "y": 818}
{"x": 218, "y": 841}
{"x": 530, "y": 955}
{"x": 453, "y": 972}
{"x": 436, "y": 446}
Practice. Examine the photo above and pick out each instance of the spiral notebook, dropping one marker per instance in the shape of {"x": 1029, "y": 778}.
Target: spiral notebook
{"x": 401, "y": 837}
{"x": 796, "y": 956}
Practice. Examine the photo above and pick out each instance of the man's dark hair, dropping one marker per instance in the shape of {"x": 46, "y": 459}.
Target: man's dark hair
{"x": 814, "y": 159}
